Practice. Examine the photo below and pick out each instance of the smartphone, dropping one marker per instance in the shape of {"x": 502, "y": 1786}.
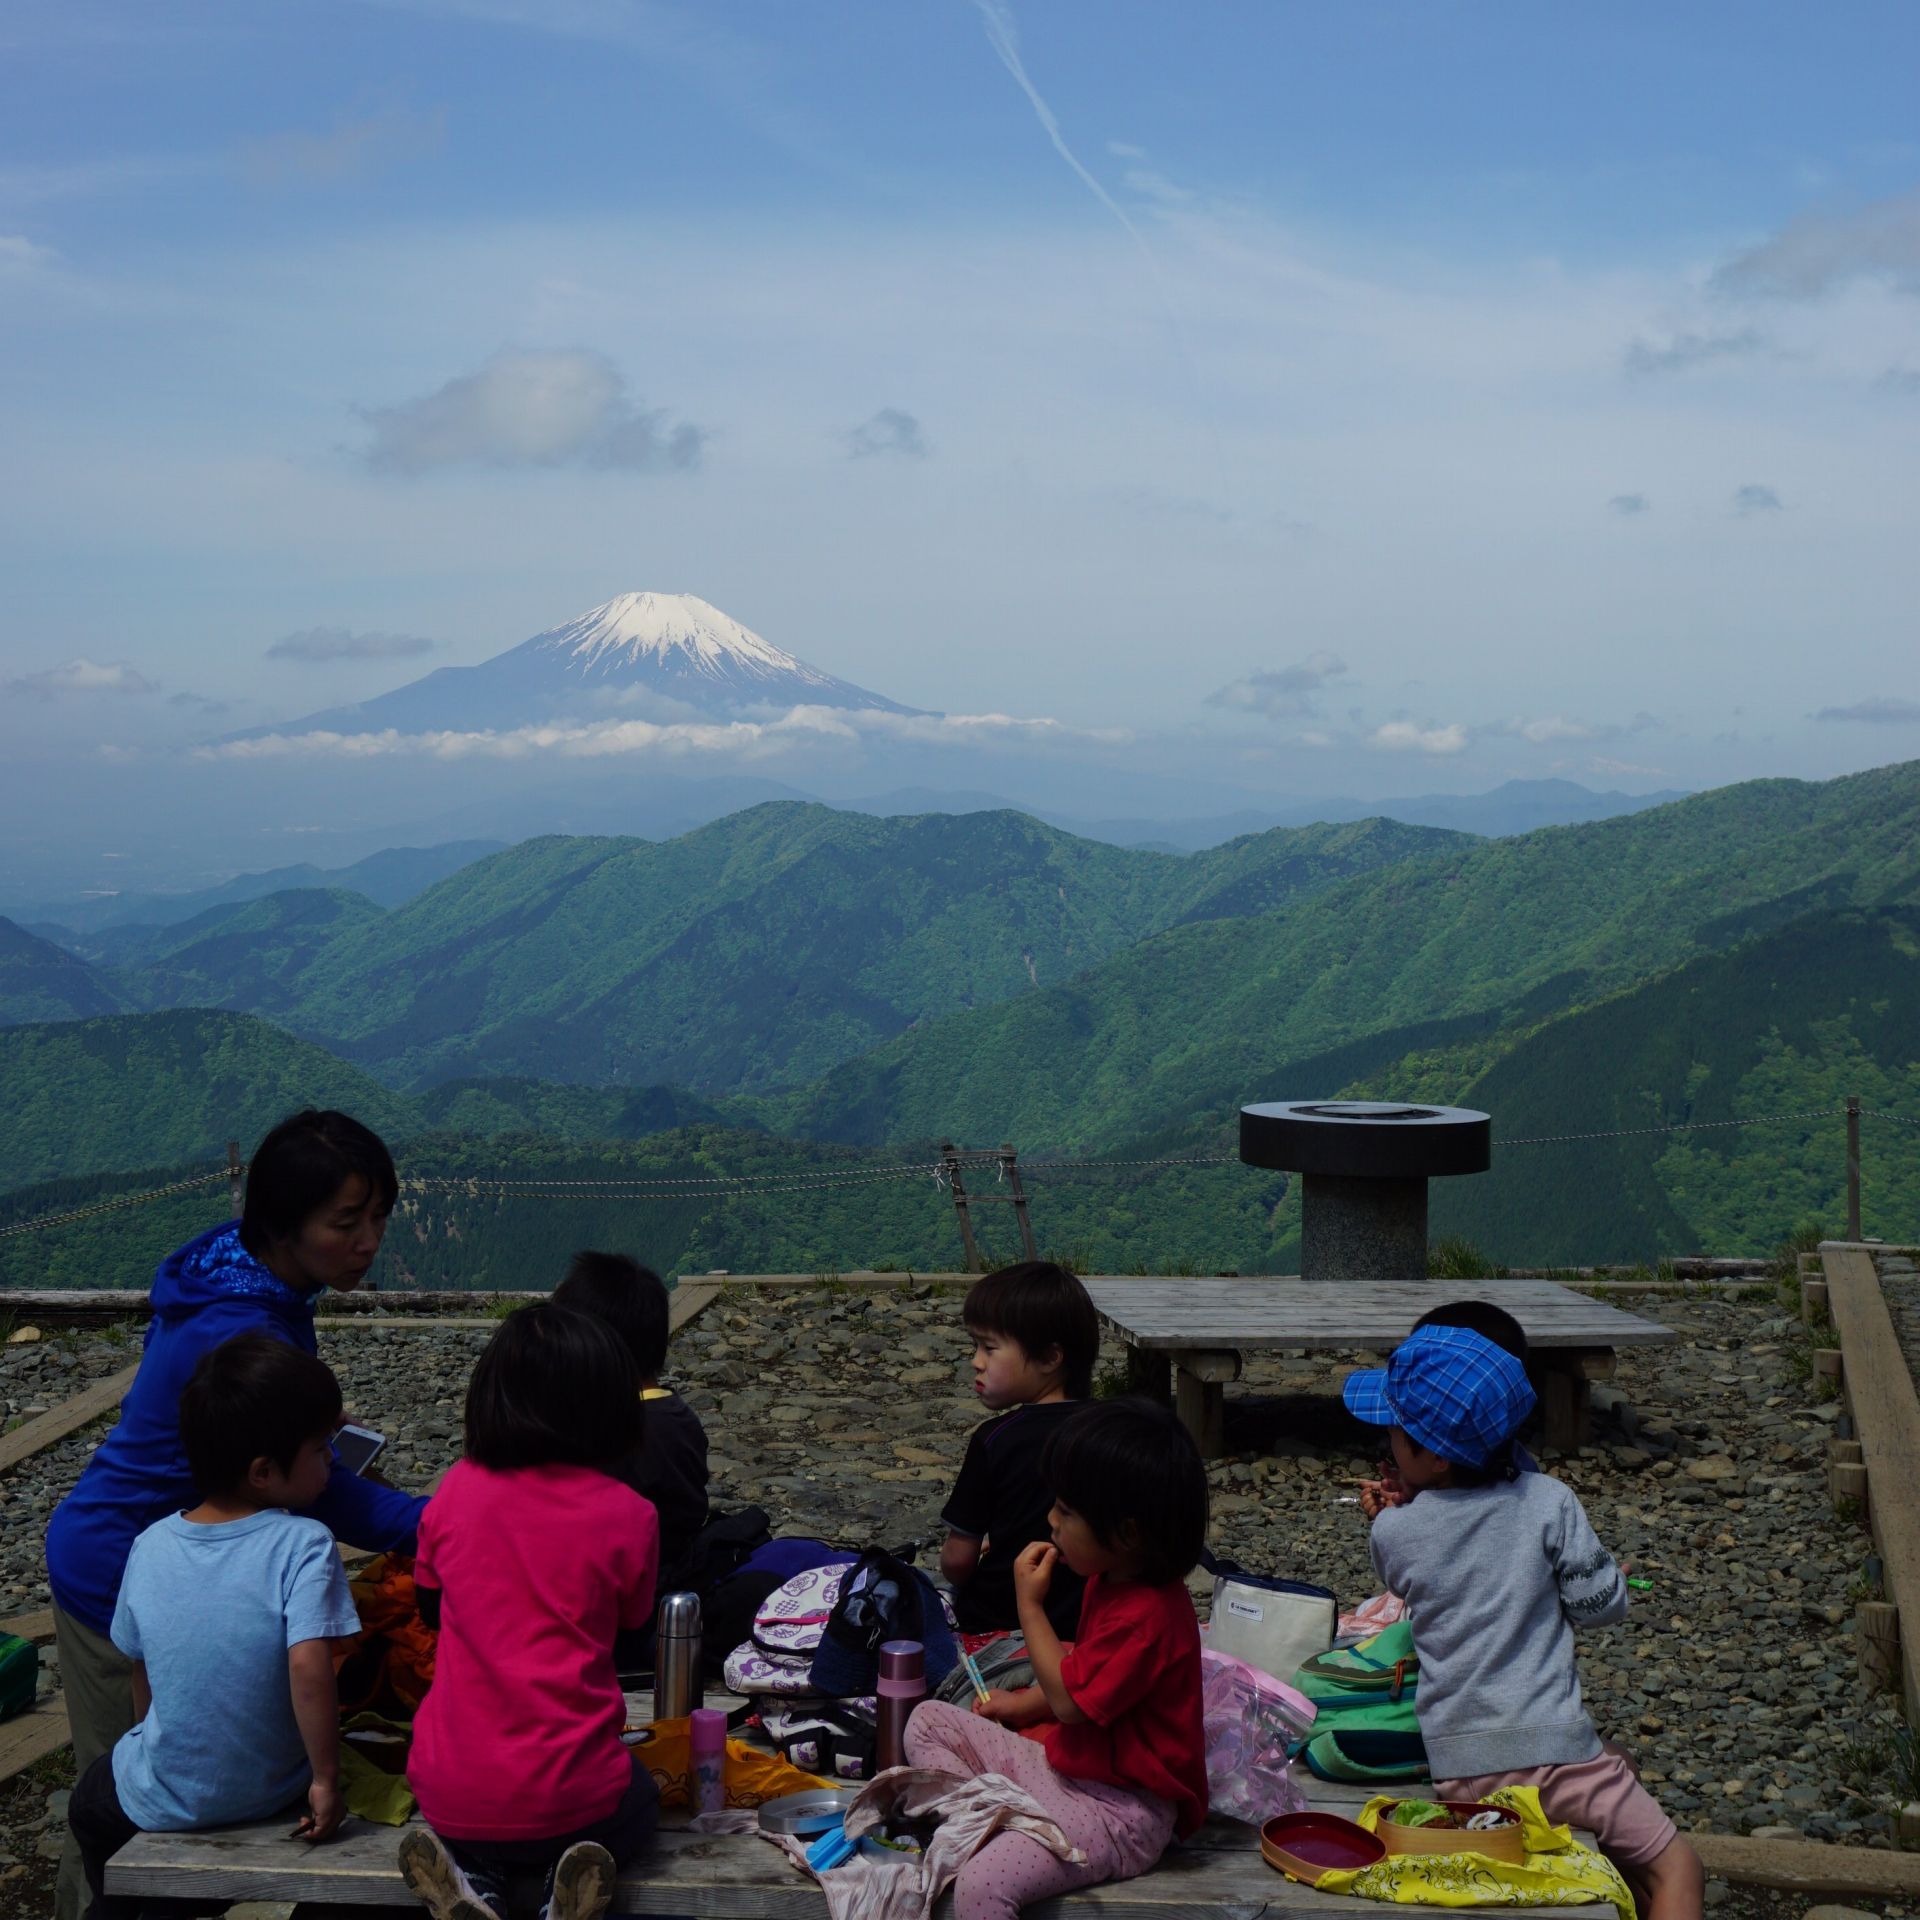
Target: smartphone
{"x": 358, "y": 1447}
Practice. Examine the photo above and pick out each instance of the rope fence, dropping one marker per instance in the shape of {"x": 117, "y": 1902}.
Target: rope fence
{"x": 936, "y": 1172}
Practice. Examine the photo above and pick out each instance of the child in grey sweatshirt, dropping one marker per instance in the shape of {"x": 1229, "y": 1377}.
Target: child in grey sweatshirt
{"x": 1498, "y": 1569}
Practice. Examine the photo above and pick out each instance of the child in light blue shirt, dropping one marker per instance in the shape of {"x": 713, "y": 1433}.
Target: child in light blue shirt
{"x": 228, "y": 1612}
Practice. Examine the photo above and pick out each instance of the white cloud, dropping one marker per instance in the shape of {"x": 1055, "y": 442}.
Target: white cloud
{"x": 82, "y": 676}
{"x": 890, "y": 431}
{"x": 1686, "y": 350}
{"x": 602, "y": 739}
{"x": 351, "y": 151}
{"x": 1281, "y": 691}
{"x": 1880, "y": 711}
{"x": 531, "y": 408}
{"x": 1402, "y": 736}
{"x": 1629, "y": 504}
{"x": 1754, "y": 498}
{"x": 19, "y": 255}
{"x": 337, "y": 643}
{"x": 1822, "y": 251}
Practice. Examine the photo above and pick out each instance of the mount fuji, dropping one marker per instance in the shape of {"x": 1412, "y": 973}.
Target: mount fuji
{"x": 637, "y": 650}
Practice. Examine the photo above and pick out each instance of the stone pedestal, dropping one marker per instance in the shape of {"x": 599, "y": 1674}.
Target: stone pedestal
{"x": 1362, "y": 1229}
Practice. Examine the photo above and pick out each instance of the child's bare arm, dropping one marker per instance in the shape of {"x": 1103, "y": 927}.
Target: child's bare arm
{"x": 142, "y": 1691}
{"x": 959, "y": 1558}
{"x": 1032, "y": 1575}
{"x": 316, "y": 1708}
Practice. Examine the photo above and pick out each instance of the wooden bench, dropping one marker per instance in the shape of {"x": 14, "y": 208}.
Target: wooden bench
{"x": 1219, "y": 1875}
{"x": 1198, "y": 1330}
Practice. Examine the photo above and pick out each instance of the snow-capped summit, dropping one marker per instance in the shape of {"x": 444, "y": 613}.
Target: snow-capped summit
{"x": 638, "y": 653}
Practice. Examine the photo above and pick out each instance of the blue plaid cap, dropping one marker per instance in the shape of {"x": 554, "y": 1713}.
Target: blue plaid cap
{"x": 1454, "y": 1391}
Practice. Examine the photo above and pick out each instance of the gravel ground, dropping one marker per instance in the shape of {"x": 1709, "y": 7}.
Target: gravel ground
{"x": 844, "y": 1411}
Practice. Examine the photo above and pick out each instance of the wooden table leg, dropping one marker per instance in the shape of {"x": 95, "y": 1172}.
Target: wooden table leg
{"x": 1200, "y": 1397}
{"x": 1566, "y": 1378}
{"x": 1150, "y": 1372}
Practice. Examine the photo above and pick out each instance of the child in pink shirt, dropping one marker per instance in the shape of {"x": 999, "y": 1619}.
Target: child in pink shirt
{"x": 532, "y": 1558}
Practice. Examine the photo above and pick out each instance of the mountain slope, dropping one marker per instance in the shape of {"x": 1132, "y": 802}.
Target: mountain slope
{"x": 39, "y": 981}
{"x": 642, "y": 655}
{"x": 148, "y": 1089}
{"x": 1789, "y": 1023}
{"x": 243, "y": 956}
{"x": 760, "y": 950}
{"x": 1197, "y": 1020}
{"x": 386, "y": 878}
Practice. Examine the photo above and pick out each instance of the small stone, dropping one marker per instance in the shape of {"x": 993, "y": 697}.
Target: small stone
{"x": 1716, "y": 1466}
{"x": 23, "y": 1336}
{"x": 1717, "y": 1894}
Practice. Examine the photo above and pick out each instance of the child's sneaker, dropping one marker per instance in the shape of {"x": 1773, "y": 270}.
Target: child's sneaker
{"x": 582, "y": 1883}
{"x": 435, "y": 1879}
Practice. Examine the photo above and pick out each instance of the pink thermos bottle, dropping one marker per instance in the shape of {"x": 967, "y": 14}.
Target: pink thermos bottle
{"x": 902, "y": 1686}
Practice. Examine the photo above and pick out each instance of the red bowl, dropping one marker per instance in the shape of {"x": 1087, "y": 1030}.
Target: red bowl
{"x": 1303, "y": 1846}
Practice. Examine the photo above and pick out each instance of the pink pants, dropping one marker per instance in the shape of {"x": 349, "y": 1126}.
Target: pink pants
{"x": 1121, "y": 1833}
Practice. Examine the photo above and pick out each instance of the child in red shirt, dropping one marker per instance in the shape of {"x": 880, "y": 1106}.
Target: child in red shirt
{"x": 1115, "y": 1752}
{"x": 532, "y": 1558}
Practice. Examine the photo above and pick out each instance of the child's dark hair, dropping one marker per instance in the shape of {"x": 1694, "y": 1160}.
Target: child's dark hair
{"x": 1041, "y": 1306}
{"x": 554, "y": 1386}
{"x": 1129, "y": 1468}
{"x": 1481, "y": 1317}
{"x": 301, "y": 1165}
{"x": 253, "y": 1397}
{"x": 630, "y": 1298}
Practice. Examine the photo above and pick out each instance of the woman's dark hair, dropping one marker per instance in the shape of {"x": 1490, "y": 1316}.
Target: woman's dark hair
{"x": 1130, "y": 1464}
{"x": 249, "y": 1397}
{"x": 301, "y": 1165}
{"x": 1481, "y": 1317}
{"x": 1040, "y": 1306}
{"x": 553, "y": 1387}
{"x": 630, "y": 1298}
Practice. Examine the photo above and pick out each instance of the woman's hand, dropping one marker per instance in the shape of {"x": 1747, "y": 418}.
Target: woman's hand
{"x": 1033, "y": 1573}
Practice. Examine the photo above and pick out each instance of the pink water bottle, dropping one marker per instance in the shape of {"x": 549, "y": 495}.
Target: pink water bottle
{"x": 707, "y": 1736}
{"x": 901, "y": 1687}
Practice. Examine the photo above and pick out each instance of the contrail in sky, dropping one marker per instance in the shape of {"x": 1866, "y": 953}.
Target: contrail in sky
{"x": 1004, "y": 37}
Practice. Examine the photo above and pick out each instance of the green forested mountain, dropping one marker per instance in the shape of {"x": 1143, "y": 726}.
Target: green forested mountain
{"x": 755, "y": 952}
{"x": 249, "y": 956}
{"x": 39, "y": 981}
{"x": 488, "y": 1108}
{"x": 1187, "y": 1025}
{"x": 141, "y": 1090}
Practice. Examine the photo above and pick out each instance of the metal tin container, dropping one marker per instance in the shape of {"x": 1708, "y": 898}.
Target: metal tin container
{"x": 676, "y": 1656}
{"x": 902, "y": 1686}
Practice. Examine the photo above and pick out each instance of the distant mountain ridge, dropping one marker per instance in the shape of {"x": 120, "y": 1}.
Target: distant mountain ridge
{"x": 638, "y": 655}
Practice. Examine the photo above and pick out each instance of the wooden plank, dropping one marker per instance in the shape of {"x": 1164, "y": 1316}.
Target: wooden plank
{"x": 32, "y": 1735}
{"x": 687, "y": 1299}
{"x": 30, "y": 1626}
{"x": 1808, "y": 1866}
{"x": 68, "y": 1417}
{"x": 1886, "y": 1417}
{"x": 1322, "y": 1315}
{"x": 714, "y": 1877}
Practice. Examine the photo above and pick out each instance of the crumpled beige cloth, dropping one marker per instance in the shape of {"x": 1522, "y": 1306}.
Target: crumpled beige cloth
{"x": 970, "y": 1811}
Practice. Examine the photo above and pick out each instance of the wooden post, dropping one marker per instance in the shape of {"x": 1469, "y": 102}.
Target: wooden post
{"x": 1813, "y": 1300}
{"x": 236, "y": 1179}
{"x": 1010, "y": 1169}
{"x": 1828, "y": 1362}
{"x": 1876, "y": 1631}
{"x": 1150, "y": 1372}
{"x": 1853, "y": 1166}
{"x": 950, "y": 1159}
{"x": 1200, "y": 1398}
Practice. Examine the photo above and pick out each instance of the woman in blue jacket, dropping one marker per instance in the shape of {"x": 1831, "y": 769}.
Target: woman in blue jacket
{"x": 319, "y": 1190}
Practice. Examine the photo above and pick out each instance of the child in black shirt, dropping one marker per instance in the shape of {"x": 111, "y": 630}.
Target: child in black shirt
{"x": 671, "y": 1466}
{"x": 1035, "y": 1338}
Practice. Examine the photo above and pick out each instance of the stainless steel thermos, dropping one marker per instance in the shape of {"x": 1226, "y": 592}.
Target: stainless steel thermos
{"x": 902, "y": 1686}
{"x": 676, "y": 1656}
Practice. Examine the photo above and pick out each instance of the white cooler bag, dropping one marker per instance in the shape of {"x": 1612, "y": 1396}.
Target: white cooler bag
{"x": 1275, "y": 1625}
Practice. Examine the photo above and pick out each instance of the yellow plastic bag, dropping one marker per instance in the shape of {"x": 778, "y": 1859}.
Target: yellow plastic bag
{"x": 752, "y": 1777}
{"x": 1558, "y": 1870}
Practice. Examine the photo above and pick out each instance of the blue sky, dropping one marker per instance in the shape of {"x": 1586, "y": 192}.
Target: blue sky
{"x": 1421, "y": 395}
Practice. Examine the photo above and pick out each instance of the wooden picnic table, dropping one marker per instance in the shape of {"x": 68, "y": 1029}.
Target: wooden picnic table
{"x": 1218, "y": 1875}
{"x": 1198, "y": 1330}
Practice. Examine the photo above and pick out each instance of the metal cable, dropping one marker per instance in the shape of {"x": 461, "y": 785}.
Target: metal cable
{"x": 111, "y": 1206}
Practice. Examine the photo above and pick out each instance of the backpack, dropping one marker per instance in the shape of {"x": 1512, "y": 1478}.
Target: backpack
{"x": 1002, "y": 1662}
{"x": 1268, "y": 1622}
{"x": 731, "y": 1609}
{"x": 19, "y": 1674}
{"x": 1365, "y": 1727}
{"x": 881, "y": 1598}
{"x": 777, "y": 1654}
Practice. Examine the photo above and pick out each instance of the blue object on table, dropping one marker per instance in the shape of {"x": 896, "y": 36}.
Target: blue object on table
{"x": 832, "y": 1849}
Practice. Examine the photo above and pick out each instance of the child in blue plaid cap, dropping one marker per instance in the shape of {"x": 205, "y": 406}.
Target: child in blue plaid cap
{"x": 1498, "y": 1568}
